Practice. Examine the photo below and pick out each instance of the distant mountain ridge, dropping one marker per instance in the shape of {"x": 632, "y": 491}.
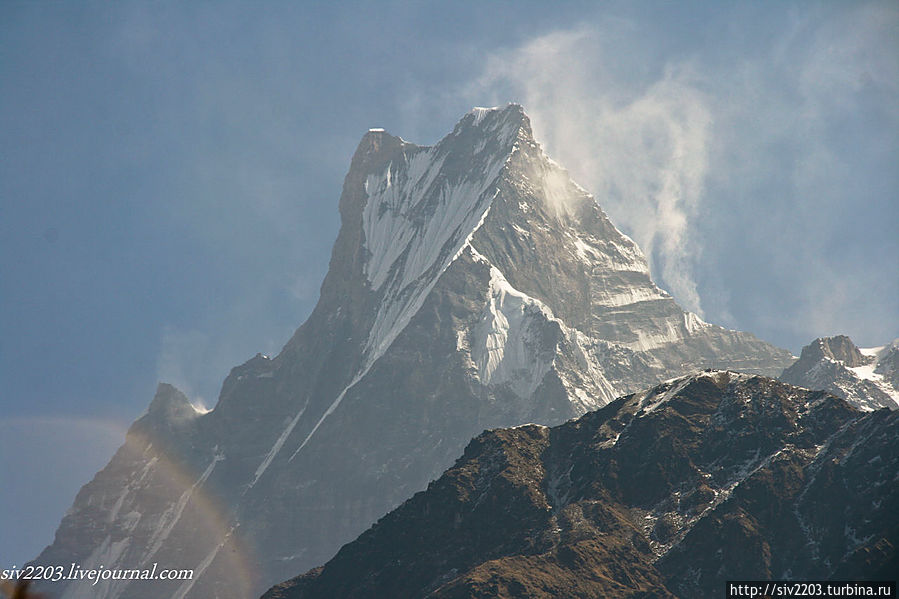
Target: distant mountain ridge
{"x": 472, "y": 285}
{"x": 866, "y": 378}
{"x": 665, "y": 493}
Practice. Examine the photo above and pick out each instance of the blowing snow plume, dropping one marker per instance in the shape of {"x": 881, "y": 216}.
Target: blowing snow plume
{"x": 642, "y": 147}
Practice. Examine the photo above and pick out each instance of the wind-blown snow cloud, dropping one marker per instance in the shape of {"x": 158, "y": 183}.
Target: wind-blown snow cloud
{"x": 641, "y": 145}
{"x": 748, "y": 175}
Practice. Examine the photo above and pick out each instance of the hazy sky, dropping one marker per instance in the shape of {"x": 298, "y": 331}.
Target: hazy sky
{"x": 169, "y": 176}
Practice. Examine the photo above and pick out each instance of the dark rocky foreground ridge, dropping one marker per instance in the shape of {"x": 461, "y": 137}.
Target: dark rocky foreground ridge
{"x": 664, "y": 493}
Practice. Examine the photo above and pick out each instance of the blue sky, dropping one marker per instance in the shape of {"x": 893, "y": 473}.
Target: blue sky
{"x": 169, "y": 176}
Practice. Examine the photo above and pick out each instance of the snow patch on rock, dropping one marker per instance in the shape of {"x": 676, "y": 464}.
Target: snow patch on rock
{"x": 505, "y": 345}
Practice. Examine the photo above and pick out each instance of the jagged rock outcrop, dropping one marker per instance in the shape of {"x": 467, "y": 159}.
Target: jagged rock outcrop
{"x": 866, "y": 378}
{"x": 665, "y": 493}
{"x": 472, "y": 285}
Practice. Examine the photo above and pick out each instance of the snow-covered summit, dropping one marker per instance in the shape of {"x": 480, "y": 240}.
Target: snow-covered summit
{"x": 472, "y": 285}
{"x": 495, "y": 118}
{"x": 868, "y": 378}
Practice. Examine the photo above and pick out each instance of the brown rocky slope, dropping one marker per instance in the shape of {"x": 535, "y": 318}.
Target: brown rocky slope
{"x": 665, "y": 493}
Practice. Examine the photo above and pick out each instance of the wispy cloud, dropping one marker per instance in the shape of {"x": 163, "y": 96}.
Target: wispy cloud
{"x": 748, "y": 174}
{"x": 639, "y": 143}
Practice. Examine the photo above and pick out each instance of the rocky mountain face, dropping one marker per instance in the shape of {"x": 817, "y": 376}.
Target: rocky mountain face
{"x": 664, "y": 493}
{"x": 472, "y": 285}
{"x": 866, "y": 378}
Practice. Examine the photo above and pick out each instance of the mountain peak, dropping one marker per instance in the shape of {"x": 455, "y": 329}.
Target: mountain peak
{"x": 507, "y": 124}
{"x": 374, "y": 145}
{"x": 472, "y": 285}
{"x": 168, "y": 416}
{"x": 839, "y": 348}
{"x": 493, "y": 122}
{"x": 487, "y": 119}
{"x": 170, "y": 403}
{"x": 866, "y": 378}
